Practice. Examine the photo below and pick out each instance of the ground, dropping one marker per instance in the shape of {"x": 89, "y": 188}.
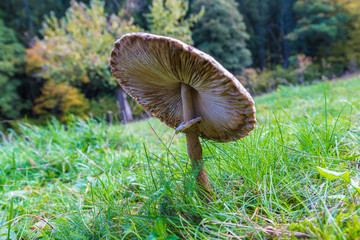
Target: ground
{"x": 88, "y": 180}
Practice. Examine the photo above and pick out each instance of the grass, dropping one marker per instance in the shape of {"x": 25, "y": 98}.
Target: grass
{"x": 87, "y": 180}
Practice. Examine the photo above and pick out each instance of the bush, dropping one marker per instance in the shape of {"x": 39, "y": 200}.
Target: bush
{"x": 313, "y": 73}
{"x": 103, "y": 106}
{"x": 257, "y": 82}
{"x": 301, "y": 71}
{"x": 107, "y": 106}
{"x": 60, "y": 100}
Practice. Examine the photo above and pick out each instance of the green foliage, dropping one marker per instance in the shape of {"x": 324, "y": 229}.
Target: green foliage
{"x": 103, "y": 105}
{"x": 11, "y": 54}
{"x": 344, "y": 224}
{"x": 256, "y": 16}
{"x": 258, "y": 82}
{"x": 301, "y": 71}
{"x": 26, "y": 16}
{"x": 346, "y": 51}
{"x": 167, "y": 17}
{"x": 223, "y": 36}
{"x": 268, "y": 22}
{"x": 331, "y": 175}
{"x": 318, "y": 25}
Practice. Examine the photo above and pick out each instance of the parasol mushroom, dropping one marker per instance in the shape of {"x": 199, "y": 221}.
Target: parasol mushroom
{"x": 186, "y": 89}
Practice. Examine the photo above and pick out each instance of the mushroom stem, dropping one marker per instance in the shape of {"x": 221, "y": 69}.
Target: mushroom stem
{"x": 193, "y": 143}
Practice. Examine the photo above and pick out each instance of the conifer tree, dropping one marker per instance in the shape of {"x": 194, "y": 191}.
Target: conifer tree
{"x": 318, "y": 25}
{"x": 11, "y": 54}
{"x": 346, "y": 51}
{"x": 256, "y": 15}
{"x": 221, "y": 33}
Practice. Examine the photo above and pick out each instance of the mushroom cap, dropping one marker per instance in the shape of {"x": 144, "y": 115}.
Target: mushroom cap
{"x": 151, "y": 69}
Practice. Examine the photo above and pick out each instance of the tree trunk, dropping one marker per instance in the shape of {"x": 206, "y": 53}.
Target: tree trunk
{"x": 260, "y": 28}
{"x": 286, "y": 21}
{"x": 124, "y": 105}
{"x": 29, "y": 17}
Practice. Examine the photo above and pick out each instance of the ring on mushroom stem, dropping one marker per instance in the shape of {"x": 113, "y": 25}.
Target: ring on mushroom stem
{"x": 186, "y": 89}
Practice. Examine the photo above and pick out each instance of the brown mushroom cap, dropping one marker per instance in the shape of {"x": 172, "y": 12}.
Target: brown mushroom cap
{"x": 151, "y": 69}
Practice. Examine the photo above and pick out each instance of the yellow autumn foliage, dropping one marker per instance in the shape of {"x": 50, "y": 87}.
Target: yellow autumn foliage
{"x": 76, "y": 48}
{"x": 168, "y": 18}
{"x": 60, "y": 99}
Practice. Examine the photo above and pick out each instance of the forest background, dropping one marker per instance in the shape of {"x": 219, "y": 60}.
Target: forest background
{"x": 54, "y": 54}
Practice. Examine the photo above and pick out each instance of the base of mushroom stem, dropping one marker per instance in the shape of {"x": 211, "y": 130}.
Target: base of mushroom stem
{"x": 204, "y": 188}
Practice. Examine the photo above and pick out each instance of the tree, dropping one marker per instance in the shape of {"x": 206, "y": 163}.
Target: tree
{"x": 318, "y": 25}
{"x": 76, "y": 48}
{"x": 221, "y": 33}
{"x": 346, "y": 51}
{"x": 268, "y": 22}
{"x": 26, "y": 16}
{"x": 11, "y": 55}
{"x": 256, "y": 16}
{"x": 167, "y": 17}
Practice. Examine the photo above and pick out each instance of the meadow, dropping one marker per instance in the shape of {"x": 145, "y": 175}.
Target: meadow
{"x": 88, "y": 180}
